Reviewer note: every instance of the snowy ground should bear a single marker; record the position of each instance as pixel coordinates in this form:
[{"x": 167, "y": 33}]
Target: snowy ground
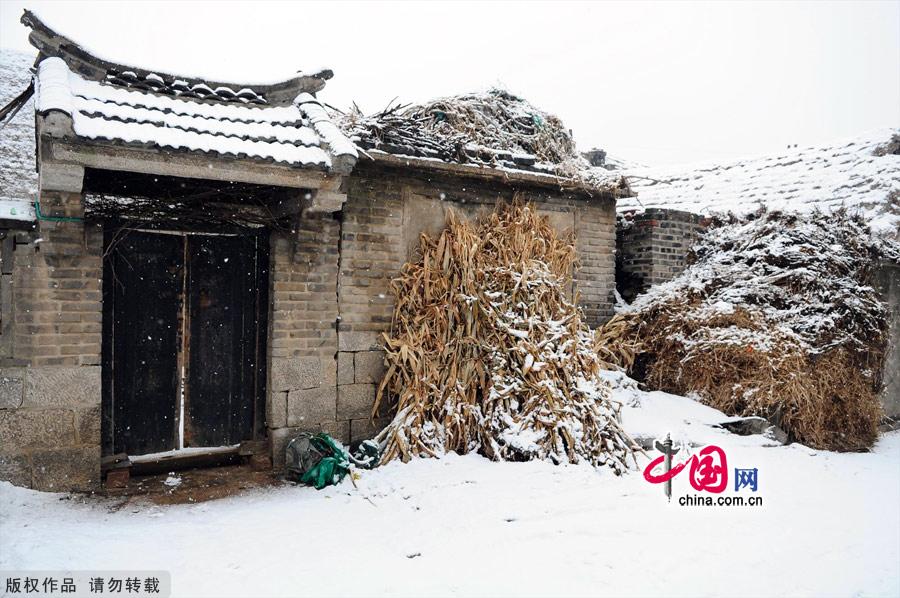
[{"x": 460, "y": 526}]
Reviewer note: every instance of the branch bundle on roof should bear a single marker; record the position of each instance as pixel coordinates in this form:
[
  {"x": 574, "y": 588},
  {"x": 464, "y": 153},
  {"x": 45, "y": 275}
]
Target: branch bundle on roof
[
  {"x": 488, "y": 354},
  {"x": 494, "y": 128},
  {"x": 776, "y": 318}
]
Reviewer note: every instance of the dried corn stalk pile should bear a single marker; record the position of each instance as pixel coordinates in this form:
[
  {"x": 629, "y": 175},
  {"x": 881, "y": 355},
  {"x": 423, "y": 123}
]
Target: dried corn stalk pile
[
  {"x": 616, "y": 345},
  {"x": 488, "y": 354}
]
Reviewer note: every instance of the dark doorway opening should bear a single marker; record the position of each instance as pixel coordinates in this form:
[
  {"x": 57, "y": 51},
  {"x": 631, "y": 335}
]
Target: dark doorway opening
[{"x": 184, "y": 339}]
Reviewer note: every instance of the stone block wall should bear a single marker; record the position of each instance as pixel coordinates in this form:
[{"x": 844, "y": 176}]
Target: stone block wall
[
  {"x": 653, "y": 247},
  {"x": 50, "y": 427},
  {"x": 50, "y": 368}
]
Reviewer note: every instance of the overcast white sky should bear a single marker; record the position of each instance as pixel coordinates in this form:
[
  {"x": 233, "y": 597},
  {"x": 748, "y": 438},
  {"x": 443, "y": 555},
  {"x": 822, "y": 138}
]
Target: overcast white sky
[{"x": 654, "y": 82}]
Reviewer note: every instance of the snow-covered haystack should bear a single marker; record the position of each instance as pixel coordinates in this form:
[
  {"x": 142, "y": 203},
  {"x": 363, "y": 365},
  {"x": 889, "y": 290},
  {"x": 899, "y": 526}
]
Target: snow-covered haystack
[
  {"x": 479, "y": 127},
  {"x": 488, "y": 354},
  {"x": 776, "y": 318}
]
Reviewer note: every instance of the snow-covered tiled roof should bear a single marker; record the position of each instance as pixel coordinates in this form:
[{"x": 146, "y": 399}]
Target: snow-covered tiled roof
[
  {"x": 18, "y": 179},
  {"x": 849, "y": 174},
  {"x": 125, "y": 105},
  {"x": 182, "y": 88},
  {"x": 104, "y": 111}
]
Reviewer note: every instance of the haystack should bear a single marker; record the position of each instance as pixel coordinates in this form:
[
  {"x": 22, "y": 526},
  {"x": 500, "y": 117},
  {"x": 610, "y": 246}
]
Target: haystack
[
  {"x": 489, "y": 354},
  {"x": 776, "y": 318}
]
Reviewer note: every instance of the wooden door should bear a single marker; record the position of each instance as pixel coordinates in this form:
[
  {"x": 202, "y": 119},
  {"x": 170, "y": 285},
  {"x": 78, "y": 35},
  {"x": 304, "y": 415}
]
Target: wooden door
[
  {"x": 222, "y": 356},
  {"x": 143, "y": 282},
  {"x": 184, "y": 334}
]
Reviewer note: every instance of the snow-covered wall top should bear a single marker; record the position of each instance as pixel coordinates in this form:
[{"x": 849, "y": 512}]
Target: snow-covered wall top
[
  {"x": 18, "y": 179},
  {"x": 294, "y": 135},
  {"x": 848, "y": 173}
]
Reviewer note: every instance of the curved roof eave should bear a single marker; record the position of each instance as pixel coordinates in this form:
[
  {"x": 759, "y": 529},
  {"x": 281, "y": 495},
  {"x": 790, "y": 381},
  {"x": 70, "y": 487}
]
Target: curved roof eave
[{"x": 50, "y": 43}]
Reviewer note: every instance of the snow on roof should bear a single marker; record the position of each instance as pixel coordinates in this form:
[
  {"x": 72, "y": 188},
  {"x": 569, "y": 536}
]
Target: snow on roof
[
  {"x": 846, "y": 174},
  {"x": 295, "y": 134},
  {"x": 18, "y": 179}
]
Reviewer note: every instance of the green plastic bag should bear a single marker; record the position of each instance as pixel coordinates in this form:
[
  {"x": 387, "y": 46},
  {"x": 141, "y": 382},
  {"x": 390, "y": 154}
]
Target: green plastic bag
[{"x": 317, "y": 460}]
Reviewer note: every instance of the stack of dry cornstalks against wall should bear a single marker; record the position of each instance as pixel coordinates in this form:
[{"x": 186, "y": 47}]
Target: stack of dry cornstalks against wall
[
  {"x": 777, "y": 318},
  {"x": 488, "y": 354}
]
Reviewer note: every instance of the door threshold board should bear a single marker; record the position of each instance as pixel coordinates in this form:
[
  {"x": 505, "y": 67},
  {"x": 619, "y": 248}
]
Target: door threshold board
[{"x": 186, "y": 458}]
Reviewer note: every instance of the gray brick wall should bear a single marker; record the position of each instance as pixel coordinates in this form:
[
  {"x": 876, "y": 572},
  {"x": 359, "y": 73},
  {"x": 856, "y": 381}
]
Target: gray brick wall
[
  {"x": 373, "y": 249},
  {"x": 56, "y": 291},
  {"x": 50, "y": 367},
  {"x": 653, "y": 247},
  {"x": 595, "y": 239},
  {"x": 302, "y": 337}
]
